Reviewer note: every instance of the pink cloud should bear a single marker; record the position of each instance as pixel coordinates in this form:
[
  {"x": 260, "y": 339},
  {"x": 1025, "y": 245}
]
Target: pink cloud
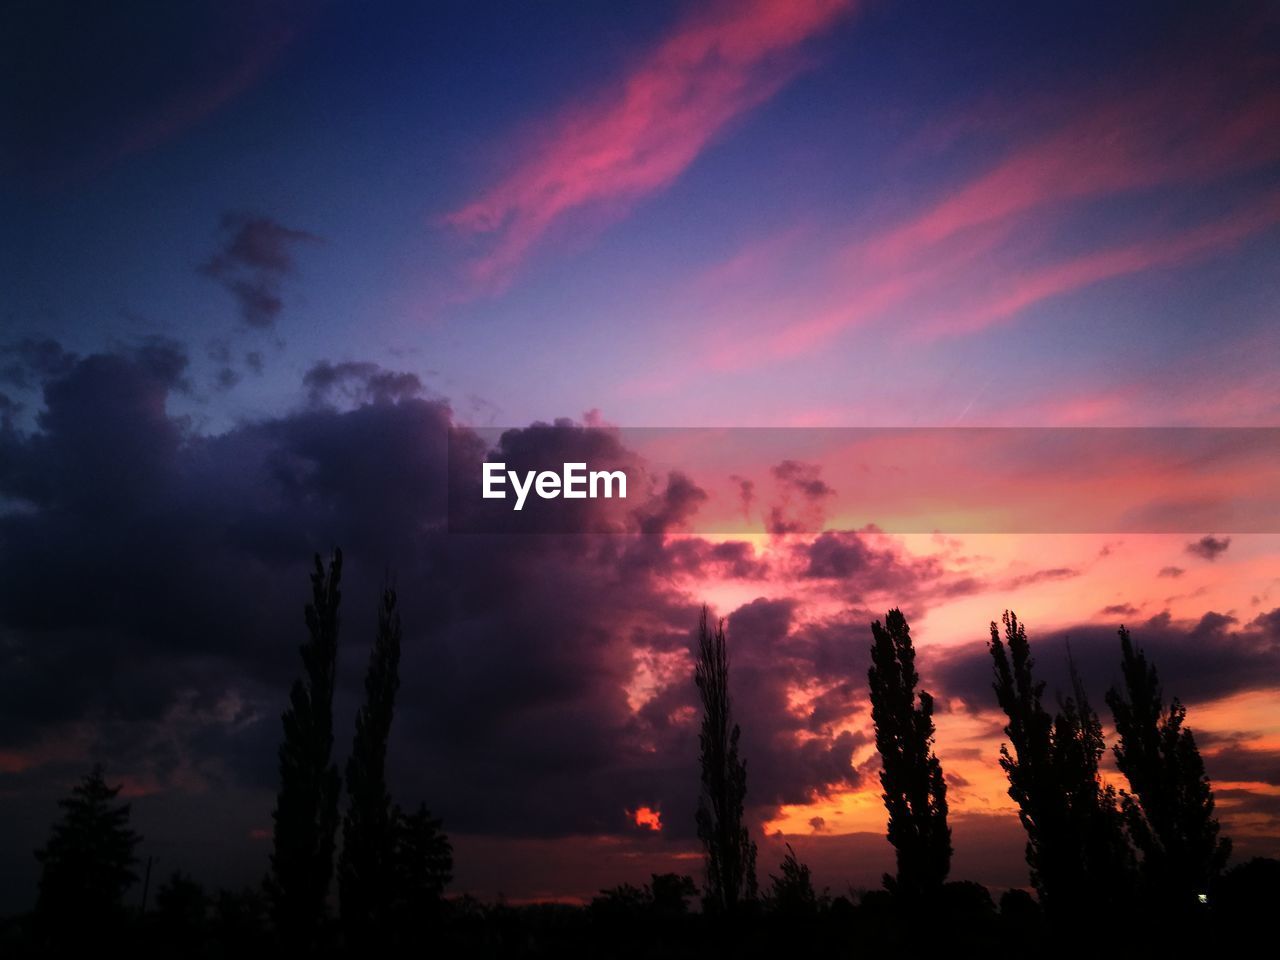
[
  {"x": 970, "y": 259},
  {"x": 644, "y": 132},
  {"x": 1190, "y": 127},
  {"x": 1038, "y": 284}
]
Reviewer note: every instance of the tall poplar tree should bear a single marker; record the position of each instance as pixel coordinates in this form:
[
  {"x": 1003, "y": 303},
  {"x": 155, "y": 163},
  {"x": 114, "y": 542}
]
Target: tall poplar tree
[
  {"x": 306, "y": 813},
  {"x": 730, "y": 851},
  {"x": 1079, "y": 858},
  {"x": 1169, "y": 807},
  {"x": 915, "y": 793},
  {"x": 366, "y": 869}
]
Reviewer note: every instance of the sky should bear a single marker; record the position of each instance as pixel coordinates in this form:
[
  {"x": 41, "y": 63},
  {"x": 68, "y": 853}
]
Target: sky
[{"x": 266, "y": 264}]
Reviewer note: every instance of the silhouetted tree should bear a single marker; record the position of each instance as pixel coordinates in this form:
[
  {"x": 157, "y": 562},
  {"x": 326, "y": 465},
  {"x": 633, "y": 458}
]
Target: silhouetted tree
[
  {"x": 239, "y": 922},
  {"x": 1246, "y": 895},
  {"x": 1019, "y": 910},
  {"x": 306, "y": 813},
  {"x": 181, "y": 913},
  {"x": 1093, "y": 807},
  {"x": 730, "y": 851},
  {"x": 791, "y": 892},
  {"x": 1169, "y": 810},
  {"x": 87, "y": 863},
  {"x": 366, "y": 869},
  {"x": 624, "y": 903},
  {"x": 670, "y": 893},
  {"x": 423, "y": 863},
  {"x": 1076, "y": 850},
  {"x": 915, "y": 793},
  {"x": 665, "y": 897}
]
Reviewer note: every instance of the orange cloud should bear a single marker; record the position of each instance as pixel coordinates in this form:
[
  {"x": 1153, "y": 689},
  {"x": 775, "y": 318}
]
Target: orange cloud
[
  {"x": 648, "y": 818},
  {"x": 640, "y": 136}
]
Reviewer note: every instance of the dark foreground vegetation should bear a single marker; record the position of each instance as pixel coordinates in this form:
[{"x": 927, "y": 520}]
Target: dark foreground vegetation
[
  {"x": 1139, "y": 870},
  {"x": 636, "y": 922}
]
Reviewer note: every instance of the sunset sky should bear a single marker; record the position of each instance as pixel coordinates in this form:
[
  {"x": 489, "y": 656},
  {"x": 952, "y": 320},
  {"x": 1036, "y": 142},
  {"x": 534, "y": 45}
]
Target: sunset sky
[{"x": 262, "y": 261}]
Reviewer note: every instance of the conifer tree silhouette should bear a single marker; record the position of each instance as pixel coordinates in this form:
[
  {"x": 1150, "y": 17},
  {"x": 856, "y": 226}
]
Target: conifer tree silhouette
[
  {"x": 306, "y": 813},
  {"x": 86, "y": 864},
  {"x": 1078, "y": 856},
  {"x": 423, "y": 865},
  {"x": 1169, "y": 808},
  {"x": 366, "y": 868},
  {"x": 915, "y": 793},
  {"x": 791, "y": 892},
  {"x": 730, "y": 851}
]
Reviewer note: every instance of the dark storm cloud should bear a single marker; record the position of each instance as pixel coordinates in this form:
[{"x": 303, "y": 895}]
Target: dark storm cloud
[
  {"x": 359, "y": 381},
  {"x": 88, "y": 84},
  {"x": 860, "y": 563},
  {"x": 1239, "y": 764},
  {"x": 1209, "y": 548},
  {"x": 9, "y": 409},
  {"x": 153, "y": 579},
  {"x": 255, "y": 257},
  {"x": 1197, "y": 661},
  {"x": 1254, "y": 805},
  {"x": 678, "y": 503},
  {"x": 769, "y": 652},
  {"x": 30, "y": 361},
  {"x": 849, "y": 555},
  {"x": 146, "y": 560}
]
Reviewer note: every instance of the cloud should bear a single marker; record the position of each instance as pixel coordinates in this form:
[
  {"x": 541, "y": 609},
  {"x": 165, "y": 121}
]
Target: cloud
[
  {"x": 1039, "y": 576},
  {"x": 1022, "y": 288},
  {"x": 1198, "y": 660},
  {"x": 854, "y": 557},
  {"x": 256, "y": 256},
  {"x": 1185, "y": 124},
  {"x": 643, "y": 131},
  {"x": 30, "y": 361},
  {"x": 1120, "y": 610},
  {"x": 362, "y": 382},
  {"x": 91, "y": 86},
  {"x": 155, "y": 576},
  {"x": 1240, "y": 764},
  {"x": 802, "y": 492},
  {"x": 1209, "y": 547},
  {"x": 1171, "y": 573}
]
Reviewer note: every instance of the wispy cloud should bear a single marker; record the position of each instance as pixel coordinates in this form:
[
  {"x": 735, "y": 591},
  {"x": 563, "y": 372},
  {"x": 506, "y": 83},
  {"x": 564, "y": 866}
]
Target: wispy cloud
[
  {"x": 978, "y": 255},
  {"x": 646, "y": 130}
]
